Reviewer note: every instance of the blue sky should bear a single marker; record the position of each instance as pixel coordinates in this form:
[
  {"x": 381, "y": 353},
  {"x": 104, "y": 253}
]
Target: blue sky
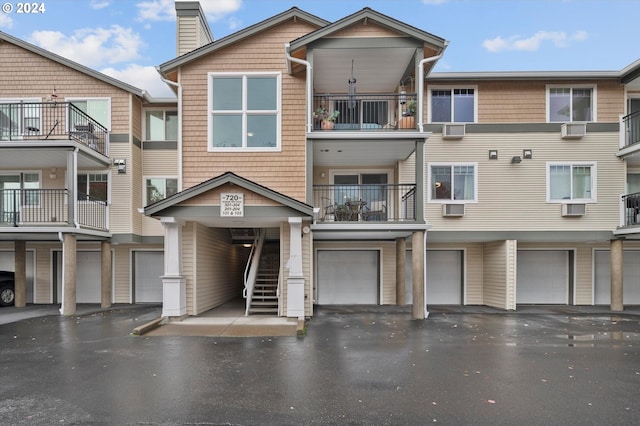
[{"x": 128, "y": 38}]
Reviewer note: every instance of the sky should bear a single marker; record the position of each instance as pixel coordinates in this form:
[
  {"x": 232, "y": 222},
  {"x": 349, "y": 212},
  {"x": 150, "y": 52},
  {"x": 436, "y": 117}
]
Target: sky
[{"x": 128, "y": 39}]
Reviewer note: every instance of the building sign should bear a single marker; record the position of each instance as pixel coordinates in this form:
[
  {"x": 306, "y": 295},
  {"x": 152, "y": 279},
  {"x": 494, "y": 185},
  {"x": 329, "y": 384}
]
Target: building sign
[{"x": 231, "y": 204}]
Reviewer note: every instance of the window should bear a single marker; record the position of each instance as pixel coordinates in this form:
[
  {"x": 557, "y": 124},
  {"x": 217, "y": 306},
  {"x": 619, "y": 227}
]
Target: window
[
  {"x": 571, "y": 181},
  {"x": 160, "y": 188},
  {"x": 452, "y": 105},
  {"x": 567, "y": 104},
  {"x": 161, "y": 125},
  {"x": 93, "y": 186},
  {"x": 453, "y": 182},
  {"x": 20, "y": 189},
  {"x": 20, "y": 117},
  {"x": 244, "y": 111},
  {"x": 98, "y": 109}
]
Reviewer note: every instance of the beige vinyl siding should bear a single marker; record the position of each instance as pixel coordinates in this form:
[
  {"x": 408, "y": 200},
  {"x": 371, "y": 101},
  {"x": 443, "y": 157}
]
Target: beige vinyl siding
[
  {"x": 191, "y": 34},
  {"x": 281, "y": 171},
  {"x": 188, "y": 264},
  {"x": 43, "y": 273},
  {"x": 513, "y": 196},
  {"x": 120, "y": 207},
  {"x": 498, "y": 272},
  {"x": 122, "y": 273},
  {"x": 156, "y": 163}
]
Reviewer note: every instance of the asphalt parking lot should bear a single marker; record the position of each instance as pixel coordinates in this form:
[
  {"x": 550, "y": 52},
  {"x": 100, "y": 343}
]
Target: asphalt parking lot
[{"x": 361, "y": 366}]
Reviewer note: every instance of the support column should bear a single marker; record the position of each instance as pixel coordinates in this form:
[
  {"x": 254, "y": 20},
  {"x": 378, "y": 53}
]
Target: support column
[
  {"x": 20, "y": 265},
  {"x": 617, "y": 262},
  {"x": 106, "y": 275},
  {"x": 174, "y": 287},
  {"x": 418, "y": 268},
  {"x": 401, "y": 271},
  {"x": 68, "y": 275},
  {"x": 295, "y": 279}
]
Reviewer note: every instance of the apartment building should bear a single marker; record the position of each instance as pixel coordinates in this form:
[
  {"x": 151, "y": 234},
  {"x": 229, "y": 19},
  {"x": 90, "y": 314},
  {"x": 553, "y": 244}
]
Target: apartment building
[{"x": 307, "y": 162}]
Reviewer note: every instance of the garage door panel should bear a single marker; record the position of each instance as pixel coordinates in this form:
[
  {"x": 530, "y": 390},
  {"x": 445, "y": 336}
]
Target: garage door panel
[
  {"x": 88, "y": 276},
  {"x": 149, "y": 268},
  {"x": 543, "y": 277},
  {"x": 348, "y": 277},
  {"x": 630, "y": 278},
  {"x": 444, "y": 277}
]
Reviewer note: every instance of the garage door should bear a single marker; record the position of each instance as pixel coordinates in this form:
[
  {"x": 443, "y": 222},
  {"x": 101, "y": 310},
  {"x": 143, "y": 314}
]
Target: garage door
[
  {"x": 348, "y": 277},
  {"x": 88, "y": 276},
  {"x": 444, "y": 277},
  {"x": 630, "y": 277},
  {"x": 7, "y": 264},
  {"x": 147, "y": 281},
  {"x": 543, "y": 277}
]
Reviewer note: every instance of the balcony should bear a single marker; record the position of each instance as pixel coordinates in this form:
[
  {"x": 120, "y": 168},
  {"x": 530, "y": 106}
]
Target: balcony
[
  {"x": 49, "y": 207},
  {"x": 51, "y": 121},
  {"x": 365, "y": 112},
  {"x": 365, "y": 203},
  {"x": 631, "y": 208}
]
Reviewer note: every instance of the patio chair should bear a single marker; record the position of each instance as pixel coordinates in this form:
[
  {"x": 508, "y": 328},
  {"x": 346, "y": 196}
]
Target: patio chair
[
  {"x": 328, "y": 209},
  {"x": 375, "y": 211}
]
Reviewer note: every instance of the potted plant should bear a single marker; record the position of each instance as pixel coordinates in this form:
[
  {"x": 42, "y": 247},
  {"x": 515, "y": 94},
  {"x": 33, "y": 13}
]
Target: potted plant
[
  {"x": 326, "y": 117},
  {"x": 408, "y": 120}
]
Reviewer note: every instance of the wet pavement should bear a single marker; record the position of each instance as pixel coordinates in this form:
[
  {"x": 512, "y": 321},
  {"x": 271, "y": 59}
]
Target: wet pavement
[{"x": 361, "y": 366}]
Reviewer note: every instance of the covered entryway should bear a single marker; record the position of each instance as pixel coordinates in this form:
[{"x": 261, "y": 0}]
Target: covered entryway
[
  {"x": 7, "y": 263},
  {"x": 444, "y": 277},
  {"x": 630, "y": 278},
  {"x": 148, "y": 268},
  {"x": 348, "y": 277},
  {"x": 88, "y": 273},
  {"x": 543, "y": 277}
]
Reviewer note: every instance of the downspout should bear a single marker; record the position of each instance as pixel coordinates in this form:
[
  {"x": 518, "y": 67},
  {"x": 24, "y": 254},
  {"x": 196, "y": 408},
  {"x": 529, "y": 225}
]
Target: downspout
[
  {"x": 421, "y": 78},
  {"x": 179, "y": 87},
  {"x": 424, "y": 275},
  {"x": 74, "y": 173},
  {"x": 309, "y": 67}
]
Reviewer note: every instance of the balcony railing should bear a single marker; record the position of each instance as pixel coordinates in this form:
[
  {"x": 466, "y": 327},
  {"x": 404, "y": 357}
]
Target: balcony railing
[
  {"x": 631, "y": 206},
  {"x": 27, "y": 121},
  {"x": 363, "y": 112},
  {"x": 365, "y": 203},
  {"x": 49, "y": 207},
  {"x": 632, "y": 128}
]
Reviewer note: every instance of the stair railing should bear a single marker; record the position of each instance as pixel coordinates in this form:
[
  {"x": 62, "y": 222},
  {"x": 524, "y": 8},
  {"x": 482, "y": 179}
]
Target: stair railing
[{"x": 251, "y": 270}]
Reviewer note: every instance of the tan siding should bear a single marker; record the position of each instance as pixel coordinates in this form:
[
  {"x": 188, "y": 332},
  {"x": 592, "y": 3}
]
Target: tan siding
[
  {"x": 365, "y": 29},
  {"x": 285, "y": 253},
  {"x": 120, "y": 207},
  {"x": 122, "y": 273},
  {"x": 212, "y": 197},
  {"x": 156, "y": 163},
  {"x": 188, "y": 264},
  {"x": 495, "y": 274}
]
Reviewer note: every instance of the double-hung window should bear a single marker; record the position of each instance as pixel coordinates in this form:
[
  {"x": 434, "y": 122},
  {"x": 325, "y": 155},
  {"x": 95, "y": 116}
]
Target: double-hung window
[
  {"x": 566, "y": 104},
  {"x": 448, "y": 182},
  {"x": 571, "y": 181},
  {"x": 159, "y": 188},
  {"x": 452, "y": 105},
  {"x": 161, "y": 125},
  {"x": 244, "y": 111}
]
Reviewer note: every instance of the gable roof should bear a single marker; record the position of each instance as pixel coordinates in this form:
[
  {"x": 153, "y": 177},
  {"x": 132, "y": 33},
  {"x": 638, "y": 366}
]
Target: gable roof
[
  {"x": 71, "y": 64},
  {"x": 226, "y": 178},
  {"x": 293, "y": 13}
]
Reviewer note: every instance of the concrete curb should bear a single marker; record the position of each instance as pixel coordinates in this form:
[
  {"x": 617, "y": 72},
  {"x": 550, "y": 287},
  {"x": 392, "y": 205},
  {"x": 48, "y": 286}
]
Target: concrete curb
[{"x": 145, "y": 328}]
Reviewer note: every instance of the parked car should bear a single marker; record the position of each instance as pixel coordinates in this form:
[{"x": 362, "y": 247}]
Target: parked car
[{"x": 7, "y": 288}]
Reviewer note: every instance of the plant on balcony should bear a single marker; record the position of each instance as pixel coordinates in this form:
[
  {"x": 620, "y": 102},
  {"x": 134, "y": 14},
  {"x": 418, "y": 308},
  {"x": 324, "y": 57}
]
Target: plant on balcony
[
  {"x": 326, "y": 117},
  {"x": 408, "y": 116},
  {"x": 410, "y": 110}
]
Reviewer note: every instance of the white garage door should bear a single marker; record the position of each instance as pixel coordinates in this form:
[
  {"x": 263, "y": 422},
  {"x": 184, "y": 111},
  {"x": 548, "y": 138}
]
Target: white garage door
[
  {"x": 543, "y": 277},
  {"x": 348, "y": 277},
  {"x": 630, "y": 277},
  {"x": 88, "y": 276},
  {"x": 444, "y": 277},
  {"x": 149, "y": 268},
  {"x": 7, "y": 259}
]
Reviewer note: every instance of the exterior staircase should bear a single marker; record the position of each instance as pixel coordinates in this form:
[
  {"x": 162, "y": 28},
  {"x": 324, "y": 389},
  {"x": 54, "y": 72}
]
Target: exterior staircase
[{"x": 265, "y": 290}]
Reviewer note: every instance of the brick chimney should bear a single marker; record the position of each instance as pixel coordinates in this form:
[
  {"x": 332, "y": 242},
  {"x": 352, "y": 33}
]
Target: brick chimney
[{"x": 192, "y": 30}]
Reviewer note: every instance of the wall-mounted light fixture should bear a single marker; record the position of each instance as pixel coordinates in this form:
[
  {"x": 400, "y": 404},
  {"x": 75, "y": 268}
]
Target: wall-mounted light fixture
[
  {"x": 122, "y": 165},
  {"x": 527, "y": 154},
  {"x": 515, "y": 160},
  {"x": 493, "y": 154}
]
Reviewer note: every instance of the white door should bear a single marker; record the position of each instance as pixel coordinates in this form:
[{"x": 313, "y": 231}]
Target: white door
[
  {"x": 88, "y": 277},
  {"x": 543, "y": 277},
  {"x": 630, "y": 277},
  {"x": 348, "y": 277},
  {"x": 7, "y": 259},
  {"x": 444, "y": 277},
  {"x": 147, "y": 281}
]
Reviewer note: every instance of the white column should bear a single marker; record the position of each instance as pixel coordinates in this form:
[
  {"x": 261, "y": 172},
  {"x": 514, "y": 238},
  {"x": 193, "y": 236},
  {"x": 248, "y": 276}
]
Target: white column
[
  {"x": 174, "y": 289},
  {"x": 295, "y": 279}
]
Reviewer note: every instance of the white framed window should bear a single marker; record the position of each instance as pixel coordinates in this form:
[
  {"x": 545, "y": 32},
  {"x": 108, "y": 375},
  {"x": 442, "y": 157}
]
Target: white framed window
[
  {"x": 453, "y": 182},
  {"x": 98, "y": 109},
  {"x": 161, "y": 125},
  {"x": 29, "y": 185},
  {"x": 244, "y": 111},
  {"x": 571, "y": 103},
  {"x": 453, "y": 104},
  {"x": 94, "y": 186},
  {"x": 159, "y": 188},
  {"x": 571, "y": 181}
]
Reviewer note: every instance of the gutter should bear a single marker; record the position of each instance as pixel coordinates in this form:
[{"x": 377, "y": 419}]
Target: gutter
[
  {"x": 307, "y": 64},
  {"x": 420, "y": 88},
  {"x": 179, "y": 87}
]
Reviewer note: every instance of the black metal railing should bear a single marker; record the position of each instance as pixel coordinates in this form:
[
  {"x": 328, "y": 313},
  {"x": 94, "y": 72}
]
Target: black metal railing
[
  {"x": 51, "y": 121},
  {"x": 365, "y": 112},
  {"x": 365, "y": 203},
  {"x": 632, "y": 128},
  {"x": 631, "y": 206},
  {"x": 49, "y": 207}
]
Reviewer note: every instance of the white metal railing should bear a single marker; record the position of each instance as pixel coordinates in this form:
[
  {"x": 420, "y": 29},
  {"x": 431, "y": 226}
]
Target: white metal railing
[{"x": 251, "y": 270}]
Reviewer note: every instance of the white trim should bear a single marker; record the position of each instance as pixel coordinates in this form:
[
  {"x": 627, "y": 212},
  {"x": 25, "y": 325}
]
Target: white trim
[
  {"x": 594, "y": 101},
  {"x": 452, "y": 200},
  {"x": 164, "y": 110},
  {"x": 594, "y": 182},
  {"x": 452, "y": 87},
  {"x": 144, "y": 185}
]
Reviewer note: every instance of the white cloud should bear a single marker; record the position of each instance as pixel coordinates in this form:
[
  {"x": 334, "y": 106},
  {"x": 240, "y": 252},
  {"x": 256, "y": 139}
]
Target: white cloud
[
  {"x": 92, "y": 47},
  {"x": 5, "y": 21},
  {"x": 142, "y": 77},
  {"x": 557, "y": 38},
  {"x": 164, "y": 10},
  {"x": 99, "y": 4}
]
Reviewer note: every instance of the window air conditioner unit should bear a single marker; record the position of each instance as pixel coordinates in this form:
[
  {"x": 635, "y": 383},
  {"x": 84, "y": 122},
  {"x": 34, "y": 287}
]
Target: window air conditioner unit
[
  {"x": 453, "y": 210},
  {"x": 573, "y": 130},
  {"x": 574, "y": 209},
  {"x": 453, "y": 131}
]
